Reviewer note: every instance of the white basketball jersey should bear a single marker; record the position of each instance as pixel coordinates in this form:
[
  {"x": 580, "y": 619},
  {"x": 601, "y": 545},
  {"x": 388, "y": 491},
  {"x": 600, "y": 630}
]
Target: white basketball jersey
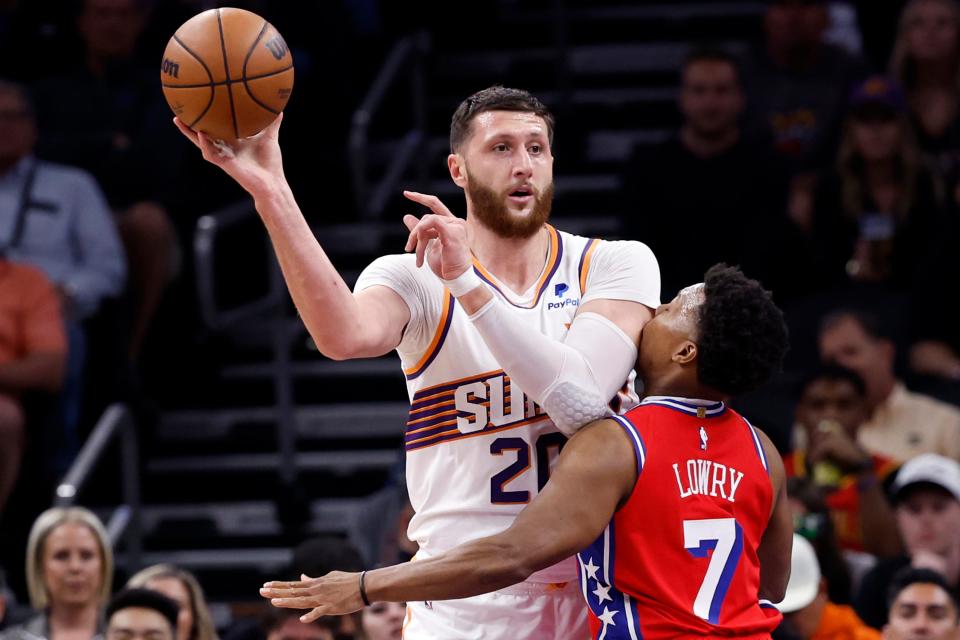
[{"x": 479, "y": 450}]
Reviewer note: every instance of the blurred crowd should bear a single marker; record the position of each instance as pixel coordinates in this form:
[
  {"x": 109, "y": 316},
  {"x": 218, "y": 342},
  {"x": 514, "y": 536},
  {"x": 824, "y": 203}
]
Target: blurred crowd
[{"x": 825, "y": 160}]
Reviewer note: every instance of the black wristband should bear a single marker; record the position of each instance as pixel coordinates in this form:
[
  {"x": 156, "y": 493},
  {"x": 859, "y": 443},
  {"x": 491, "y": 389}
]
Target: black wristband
[{"x": 363, "y": 590}]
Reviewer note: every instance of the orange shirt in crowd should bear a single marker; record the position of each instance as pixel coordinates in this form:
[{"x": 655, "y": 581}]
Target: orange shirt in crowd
[
  {"x": 841, "y": 623},
  {"x": 30, "y": 317}
]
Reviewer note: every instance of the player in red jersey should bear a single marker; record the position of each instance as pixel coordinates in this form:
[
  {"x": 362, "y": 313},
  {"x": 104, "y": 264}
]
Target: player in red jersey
[{"x": 678, "y": 509}]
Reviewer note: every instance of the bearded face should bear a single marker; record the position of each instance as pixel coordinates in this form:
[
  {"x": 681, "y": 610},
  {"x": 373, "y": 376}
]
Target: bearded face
[{"x": 493, "y": 212}]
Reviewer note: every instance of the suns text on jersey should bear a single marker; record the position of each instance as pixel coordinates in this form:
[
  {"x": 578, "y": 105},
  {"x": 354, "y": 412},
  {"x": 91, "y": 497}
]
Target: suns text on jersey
[
  {"x": 707, "y": 478},
  {"x": 489, "y": 403}
]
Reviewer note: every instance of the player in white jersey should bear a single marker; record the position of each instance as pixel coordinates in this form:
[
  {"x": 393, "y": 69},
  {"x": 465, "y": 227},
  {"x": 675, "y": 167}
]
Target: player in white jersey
[{"x": 559, "y": 317}]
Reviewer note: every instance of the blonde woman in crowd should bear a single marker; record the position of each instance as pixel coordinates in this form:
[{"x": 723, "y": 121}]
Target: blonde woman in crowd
[
  {"x": 926, "y": 62},
  {"x": 194, "y": 621},
  {"x": 69, "y": 568}
]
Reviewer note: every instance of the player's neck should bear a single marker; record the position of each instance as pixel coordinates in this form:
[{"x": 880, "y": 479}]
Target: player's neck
[
  {"x": 679, "y": 387},
  {"x": 516, "y": 262}
]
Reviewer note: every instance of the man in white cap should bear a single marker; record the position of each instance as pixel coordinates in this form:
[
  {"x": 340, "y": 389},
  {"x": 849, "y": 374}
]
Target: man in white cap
[
  {"x": 926, "y": 494},
  {"x": 807, "y": 613}
]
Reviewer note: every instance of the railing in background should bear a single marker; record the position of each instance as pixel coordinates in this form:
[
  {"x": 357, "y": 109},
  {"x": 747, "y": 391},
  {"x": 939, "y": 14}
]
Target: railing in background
[
  {"x": 124, "y": 523},
  {"x": 407, "y": 55},
  {"x": 271, "y": 305}
]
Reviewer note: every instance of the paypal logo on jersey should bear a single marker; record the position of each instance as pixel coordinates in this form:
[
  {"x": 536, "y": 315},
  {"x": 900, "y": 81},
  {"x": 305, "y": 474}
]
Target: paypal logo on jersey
[{"x": 559, "y": 290}]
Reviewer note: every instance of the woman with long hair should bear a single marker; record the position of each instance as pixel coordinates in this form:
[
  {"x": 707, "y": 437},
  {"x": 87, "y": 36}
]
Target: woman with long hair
[
  {"x": 69, "y": 568},
  {"x": 926, "y": 63},
  {"x": 194, "y": 621},
  {"x": 880, "y": 209}
]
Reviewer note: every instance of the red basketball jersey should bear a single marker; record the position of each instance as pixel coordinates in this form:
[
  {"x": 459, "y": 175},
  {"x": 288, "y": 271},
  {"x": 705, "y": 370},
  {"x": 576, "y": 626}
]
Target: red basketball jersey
[{"x": 679, "y": 559}]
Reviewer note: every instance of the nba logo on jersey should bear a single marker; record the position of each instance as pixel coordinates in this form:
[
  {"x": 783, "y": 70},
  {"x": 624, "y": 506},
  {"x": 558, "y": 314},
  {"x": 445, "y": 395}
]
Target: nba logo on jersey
[{"x": 703, "y": 439}]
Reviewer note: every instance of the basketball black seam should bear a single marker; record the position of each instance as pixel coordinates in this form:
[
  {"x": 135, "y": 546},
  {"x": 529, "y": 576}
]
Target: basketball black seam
[
  {"x": 260, "y": 76},
  {"x": 213, "y": 92},
  {"x": 243, "y": 74},
  {"x": 226, "y": 69}
]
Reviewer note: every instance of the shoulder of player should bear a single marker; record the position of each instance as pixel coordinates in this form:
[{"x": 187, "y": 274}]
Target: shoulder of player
[
  {"x": 601, "y": 437},
  {"x": 405, "y": 264}
]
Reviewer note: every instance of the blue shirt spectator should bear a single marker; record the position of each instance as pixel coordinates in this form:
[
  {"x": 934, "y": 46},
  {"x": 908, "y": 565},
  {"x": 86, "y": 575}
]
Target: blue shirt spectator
[{"x": 67, "y": 231}]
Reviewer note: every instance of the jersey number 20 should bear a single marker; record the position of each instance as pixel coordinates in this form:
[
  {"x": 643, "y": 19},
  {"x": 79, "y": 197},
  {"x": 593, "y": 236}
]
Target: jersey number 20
[
  {"x": 498, "y": 493},
  {"x": 725, "y": 538}
]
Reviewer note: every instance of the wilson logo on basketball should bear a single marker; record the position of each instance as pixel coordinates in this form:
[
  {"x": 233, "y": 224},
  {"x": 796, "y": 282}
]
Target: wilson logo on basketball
[
  {"x": 170, "y": 68},
  {"x": 277, "y": 46}
]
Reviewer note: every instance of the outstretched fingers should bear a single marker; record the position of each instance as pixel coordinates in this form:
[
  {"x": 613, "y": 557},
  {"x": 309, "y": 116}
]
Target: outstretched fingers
[
  {"x": 431, "y": 202},
  {"x": 315, "y": 614}
]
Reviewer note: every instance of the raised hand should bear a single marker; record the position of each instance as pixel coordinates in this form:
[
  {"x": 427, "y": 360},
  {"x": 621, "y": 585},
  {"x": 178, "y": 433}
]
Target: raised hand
[
  {"x": 439, "y": 237},
  {"x": 334, "y": 594},
  {"x": 254, "y": 162}
]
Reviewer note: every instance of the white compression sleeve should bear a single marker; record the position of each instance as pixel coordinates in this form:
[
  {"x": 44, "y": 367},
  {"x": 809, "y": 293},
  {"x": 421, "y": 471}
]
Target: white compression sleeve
[{"x": 573, "y": 380}]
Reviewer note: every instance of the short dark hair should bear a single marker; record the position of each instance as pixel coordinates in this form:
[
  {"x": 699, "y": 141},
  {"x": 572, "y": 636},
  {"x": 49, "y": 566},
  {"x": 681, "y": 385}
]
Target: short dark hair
[
  {"x": 710, "y": 53},
  {"x": 834, "y": 373},
  {"x": 495, "y": 98},
  {"x": 742, "y": 336},
  {"x": 146, "y": 599},
  {"x": 274, "y": 617},
  {"x": 316, "y": 557},
  {"x": 868, "y": 322},
  {"x": 910, "y": 576}
]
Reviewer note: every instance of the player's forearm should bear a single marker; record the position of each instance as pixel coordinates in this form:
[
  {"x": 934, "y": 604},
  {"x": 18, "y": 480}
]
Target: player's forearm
[
  {"x": 574, "y": 379},
  {"x": 323, "y": 300},
  {"x": 477, "y": 567}
]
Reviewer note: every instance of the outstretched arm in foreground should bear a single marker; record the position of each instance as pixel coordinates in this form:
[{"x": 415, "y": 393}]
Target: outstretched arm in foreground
[
  {"x": 595, "y": 474},
  {"x": 342, "y": 325}
]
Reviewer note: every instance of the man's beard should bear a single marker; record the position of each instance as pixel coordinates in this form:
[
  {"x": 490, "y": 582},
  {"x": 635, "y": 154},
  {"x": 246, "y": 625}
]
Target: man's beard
[{"x": 492, "y": 212}]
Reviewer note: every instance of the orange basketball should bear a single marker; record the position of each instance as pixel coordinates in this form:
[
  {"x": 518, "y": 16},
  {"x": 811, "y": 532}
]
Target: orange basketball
[{"x": 227, "y": 72}]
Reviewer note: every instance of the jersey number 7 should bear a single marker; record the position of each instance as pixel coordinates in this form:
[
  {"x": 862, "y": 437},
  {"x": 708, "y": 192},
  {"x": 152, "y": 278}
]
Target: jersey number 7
[{"x": 724, "y": 537}]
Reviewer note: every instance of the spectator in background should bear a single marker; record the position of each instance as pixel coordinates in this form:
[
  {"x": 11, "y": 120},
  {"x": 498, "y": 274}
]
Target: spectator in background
[
  {"x": 69, "y": 575},
  {"x": 830, "y": 412},
  {"x": 194, "y": 621},
  {"x": 902, "y": 423},
  {"x": 811, "y": 519},
  {"x": 926, "y": 61},
  {"x": 383, "y": 621},
  {"x": 927, "y": 498},
  {"x": 921, "y": 607},
  {"x": 141, "y": 613},
  {"x": 807, "y": 611},
  {"x": 116, "y": 127},
  {"x": 877, "y": 214},
  {"x": 55, "y": 218},
  {"x": 33, "y": 354},
  {"x": 798, "y": 85},
  {"x": 691, "y": 198},
  {"x": 284, "y": 624}
]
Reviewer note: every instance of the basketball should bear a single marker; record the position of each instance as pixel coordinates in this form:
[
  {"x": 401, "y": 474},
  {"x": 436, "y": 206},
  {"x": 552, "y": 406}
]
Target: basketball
[{"x": 227, "y": 72}]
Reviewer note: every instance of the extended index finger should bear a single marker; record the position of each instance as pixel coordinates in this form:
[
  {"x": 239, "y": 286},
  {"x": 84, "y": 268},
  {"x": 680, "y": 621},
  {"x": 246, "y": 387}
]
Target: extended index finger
[{"x": 431, "y": 202}]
